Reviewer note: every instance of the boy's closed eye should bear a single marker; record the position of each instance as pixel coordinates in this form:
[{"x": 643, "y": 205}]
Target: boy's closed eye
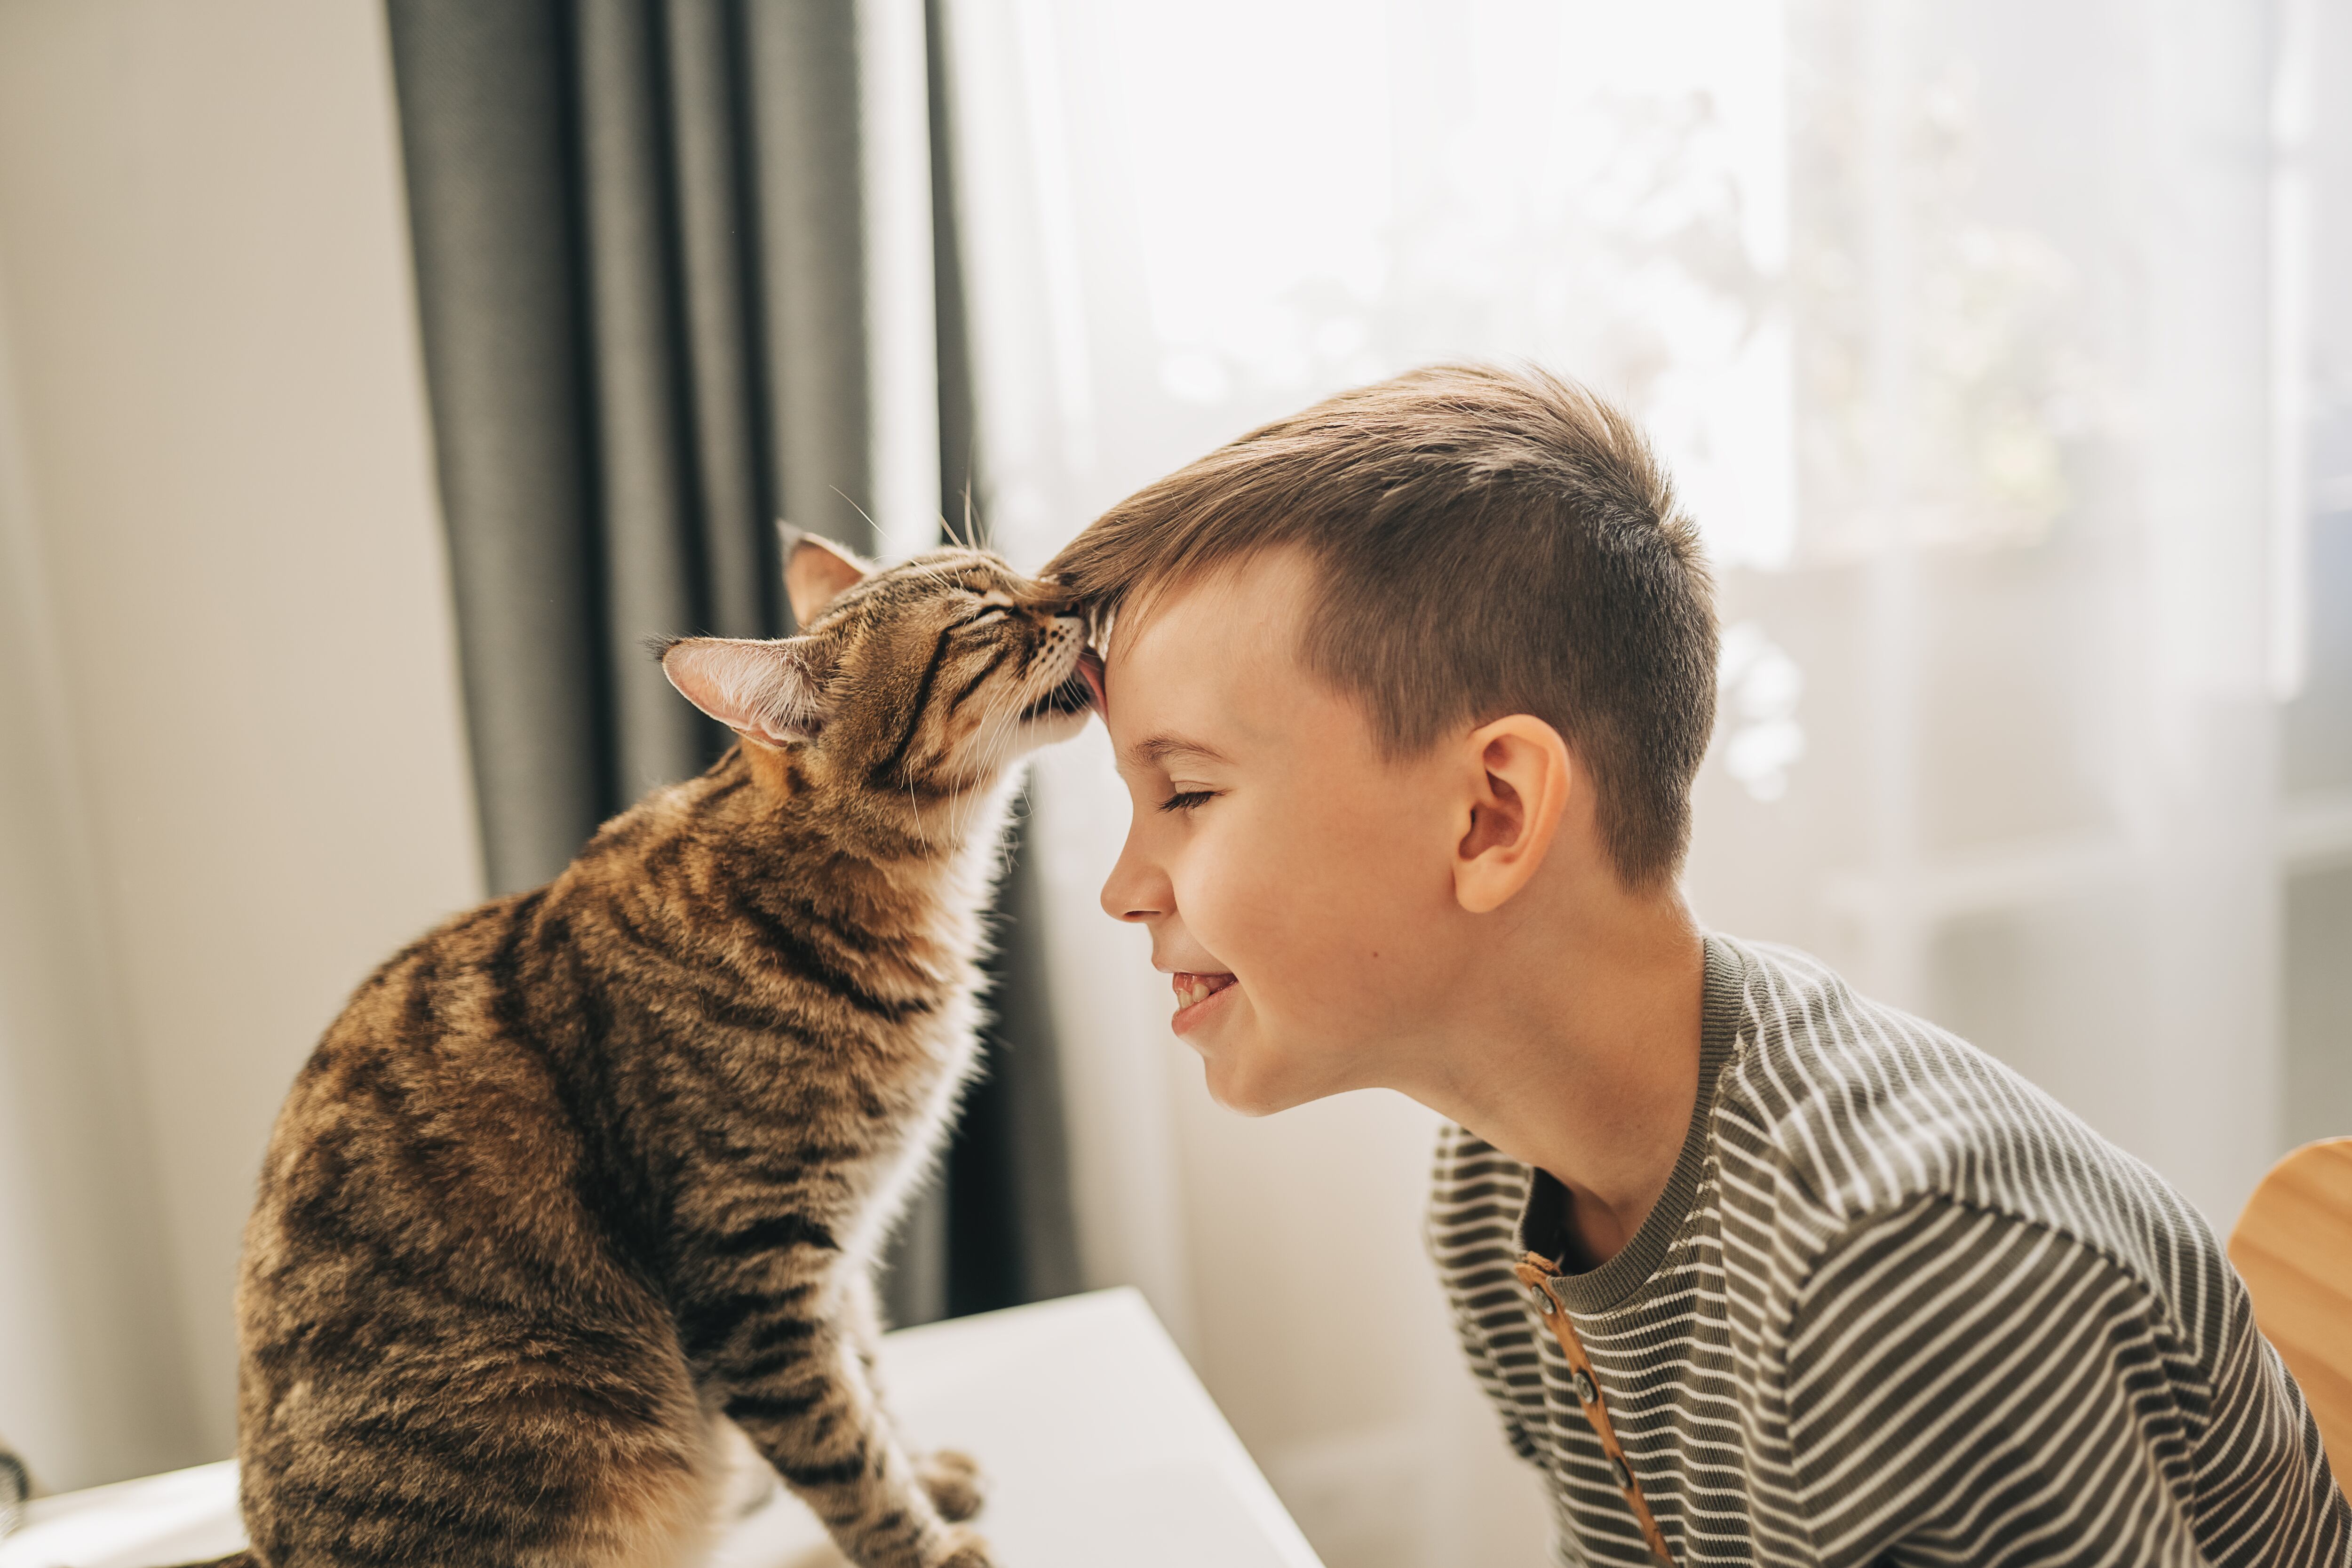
[{"x": 1188, "y": 799}]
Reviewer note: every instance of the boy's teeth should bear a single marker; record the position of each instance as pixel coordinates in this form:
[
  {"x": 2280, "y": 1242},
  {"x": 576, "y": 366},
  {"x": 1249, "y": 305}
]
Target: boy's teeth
[{"x": 1191, "y": 988}]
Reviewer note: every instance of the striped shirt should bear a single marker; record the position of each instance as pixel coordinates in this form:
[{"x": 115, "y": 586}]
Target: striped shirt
[{"x": 1895, "y": 1305}]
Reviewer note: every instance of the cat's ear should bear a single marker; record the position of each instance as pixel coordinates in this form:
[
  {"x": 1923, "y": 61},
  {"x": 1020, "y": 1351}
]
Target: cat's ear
[
  {"x": 765, "y": 691},
  {"x": 816, "y": 572}
]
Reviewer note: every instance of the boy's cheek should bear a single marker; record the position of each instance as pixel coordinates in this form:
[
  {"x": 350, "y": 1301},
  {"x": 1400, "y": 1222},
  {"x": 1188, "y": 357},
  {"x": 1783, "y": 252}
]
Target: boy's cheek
[{"x": 1228, "y": 902}]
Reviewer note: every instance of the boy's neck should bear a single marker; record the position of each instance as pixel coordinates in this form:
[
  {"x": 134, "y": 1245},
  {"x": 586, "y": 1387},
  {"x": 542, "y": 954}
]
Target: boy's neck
[{"x": 1577, "y": 1053}]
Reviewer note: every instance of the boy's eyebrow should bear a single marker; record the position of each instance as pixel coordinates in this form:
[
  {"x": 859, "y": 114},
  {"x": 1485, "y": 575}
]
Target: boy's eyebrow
[{"x": 1154, "y": 749}]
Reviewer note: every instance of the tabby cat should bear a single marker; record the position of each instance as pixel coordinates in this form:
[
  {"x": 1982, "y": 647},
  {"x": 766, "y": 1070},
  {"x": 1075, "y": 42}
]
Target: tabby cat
[{"x": 588, "y": 1170}]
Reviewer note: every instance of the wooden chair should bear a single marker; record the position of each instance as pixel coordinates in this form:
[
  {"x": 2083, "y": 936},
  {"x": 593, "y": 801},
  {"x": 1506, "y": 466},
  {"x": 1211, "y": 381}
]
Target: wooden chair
[{"x": 2293, "y": 1249}]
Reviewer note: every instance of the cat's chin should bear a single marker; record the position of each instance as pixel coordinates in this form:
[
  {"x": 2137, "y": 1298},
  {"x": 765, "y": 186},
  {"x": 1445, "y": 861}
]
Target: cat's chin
[
  {"x": 1075, "y": 697},
  {"x": 1049, "y": 729},
  {"x": 1062, "y": 711}
]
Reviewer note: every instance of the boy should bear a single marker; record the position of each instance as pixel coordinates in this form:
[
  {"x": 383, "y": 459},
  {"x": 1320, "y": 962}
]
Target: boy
[{"x": 1408, "y": 690}]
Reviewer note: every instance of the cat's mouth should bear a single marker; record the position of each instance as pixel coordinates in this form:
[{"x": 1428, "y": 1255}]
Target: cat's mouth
[{"x": 1081, "y": 691}]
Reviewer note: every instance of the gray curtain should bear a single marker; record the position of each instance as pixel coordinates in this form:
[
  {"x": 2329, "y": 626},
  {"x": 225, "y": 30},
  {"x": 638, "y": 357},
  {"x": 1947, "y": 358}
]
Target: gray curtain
[{"x": 639, "y": 235}]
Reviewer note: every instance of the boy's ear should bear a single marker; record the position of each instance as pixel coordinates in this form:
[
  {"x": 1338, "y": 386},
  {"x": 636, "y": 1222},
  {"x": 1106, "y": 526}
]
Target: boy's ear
[
  {"x": 765, "y": 691},
  {"x": 1524, "y": 775},
  {"x": 816, "y": 570}
]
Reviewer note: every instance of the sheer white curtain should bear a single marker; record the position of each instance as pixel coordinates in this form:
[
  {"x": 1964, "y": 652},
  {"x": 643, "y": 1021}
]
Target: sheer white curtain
[{"x": 1988, "y": 344}]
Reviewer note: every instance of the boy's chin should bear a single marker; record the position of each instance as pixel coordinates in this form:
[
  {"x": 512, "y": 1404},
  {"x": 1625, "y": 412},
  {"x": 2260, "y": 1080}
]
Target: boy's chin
[{"x": 1258, "y": 1089}]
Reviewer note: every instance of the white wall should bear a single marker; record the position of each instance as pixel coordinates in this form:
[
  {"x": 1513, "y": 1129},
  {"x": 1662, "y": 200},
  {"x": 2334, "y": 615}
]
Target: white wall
[{"x": 236, "y": 769}]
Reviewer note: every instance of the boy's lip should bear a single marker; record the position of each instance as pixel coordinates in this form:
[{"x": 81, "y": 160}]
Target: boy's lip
[{"x": 1197, "y": 993}]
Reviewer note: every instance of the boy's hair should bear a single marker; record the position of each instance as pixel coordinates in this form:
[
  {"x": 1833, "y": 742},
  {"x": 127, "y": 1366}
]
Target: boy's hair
[{"x": 1487, "y": 541}]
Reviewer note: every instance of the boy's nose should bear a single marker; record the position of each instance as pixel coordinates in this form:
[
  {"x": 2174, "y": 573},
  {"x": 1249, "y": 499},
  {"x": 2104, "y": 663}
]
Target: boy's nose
[
  {"x": 1118, "y": 904},
  {"x": 1135, "y": 893}
]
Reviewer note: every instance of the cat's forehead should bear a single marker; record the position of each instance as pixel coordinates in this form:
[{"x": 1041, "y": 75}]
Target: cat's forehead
[{"x": 956, "y": 575}]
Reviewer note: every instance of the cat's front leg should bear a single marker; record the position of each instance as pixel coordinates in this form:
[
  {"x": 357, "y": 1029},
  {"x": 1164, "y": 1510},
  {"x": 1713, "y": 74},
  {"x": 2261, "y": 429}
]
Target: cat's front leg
[
  {"x": 954, "y": 1481},
  {"x": 815, "y": 1416}
]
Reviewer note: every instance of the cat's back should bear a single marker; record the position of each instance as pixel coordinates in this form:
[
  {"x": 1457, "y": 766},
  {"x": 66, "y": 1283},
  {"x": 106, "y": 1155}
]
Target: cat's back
[
  {"x": 461, "y": 1039},
  {"x": 489, "y": 1094},
  {"x": 430, "y": 1112}
]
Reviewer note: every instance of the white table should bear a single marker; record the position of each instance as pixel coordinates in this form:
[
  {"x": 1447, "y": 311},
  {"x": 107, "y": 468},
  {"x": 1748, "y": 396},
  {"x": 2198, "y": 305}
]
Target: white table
[{"x": 1101, "y": 1448}]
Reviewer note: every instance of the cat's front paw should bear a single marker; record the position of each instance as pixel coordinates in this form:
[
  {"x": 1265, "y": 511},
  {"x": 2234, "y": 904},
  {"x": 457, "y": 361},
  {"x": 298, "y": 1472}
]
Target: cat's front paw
[
  {"x": 954, "y": 1482},
  {"x": 963, "y": 1549}
]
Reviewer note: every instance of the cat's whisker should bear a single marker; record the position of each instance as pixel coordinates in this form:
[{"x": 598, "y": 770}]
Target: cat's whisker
[{"x": 915, "y": 805}]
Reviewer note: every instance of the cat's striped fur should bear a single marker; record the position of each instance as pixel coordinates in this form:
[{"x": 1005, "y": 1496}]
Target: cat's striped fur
[{"x": 587, "y": 1169}]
